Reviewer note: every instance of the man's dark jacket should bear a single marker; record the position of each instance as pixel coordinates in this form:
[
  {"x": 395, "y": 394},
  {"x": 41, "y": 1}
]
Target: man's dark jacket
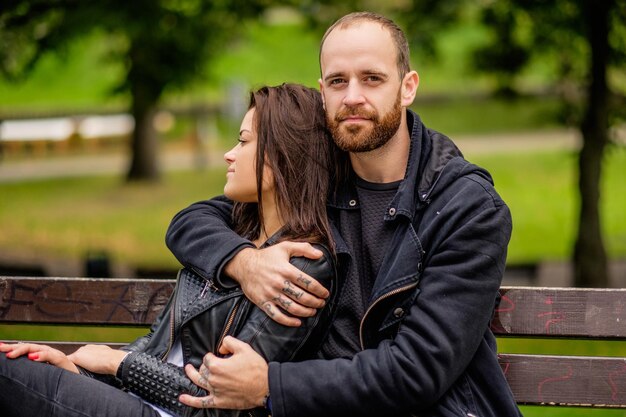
[{"x": 427, "y": 349}]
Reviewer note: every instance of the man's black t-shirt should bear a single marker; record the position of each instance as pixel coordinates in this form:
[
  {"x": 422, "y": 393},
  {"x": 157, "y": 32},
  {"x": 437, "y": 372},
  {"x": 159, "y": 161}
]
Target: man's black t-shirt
[{"x": 367, "y": 236}]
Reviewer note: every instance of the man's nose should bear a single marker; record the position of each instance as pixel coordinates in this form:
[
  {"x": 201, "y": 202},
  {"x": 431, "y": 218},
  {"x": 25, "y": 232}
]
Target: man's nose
[{"x": 354, "y": 95}]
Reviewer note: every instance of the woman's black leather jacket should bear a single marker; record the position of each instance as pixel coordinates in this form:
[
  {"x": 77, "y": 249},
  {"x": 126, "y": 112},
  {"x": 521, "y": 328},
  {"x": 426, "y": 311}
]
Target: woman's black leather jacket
[{"x": 200, "y": 315}]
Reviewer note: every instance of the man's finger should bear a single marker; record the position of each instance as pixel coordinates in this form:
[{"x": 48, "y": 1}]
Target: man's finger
[
  {"x": 197, "y": 402},
  {"x": 302, "y": 249},
  {"x": 278, "y": 316},
  {"x": 193, "y": 374},
  {"x": 232, "y": 345},
  {"x": 316, "y": 291}
]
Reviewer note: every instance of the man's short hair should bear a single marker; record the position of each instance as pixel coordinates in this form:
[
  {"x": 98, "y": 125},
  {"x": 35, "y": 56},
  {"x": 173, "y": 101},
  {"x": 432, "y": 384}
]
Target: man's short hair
[{"x": 397, "y": 35}]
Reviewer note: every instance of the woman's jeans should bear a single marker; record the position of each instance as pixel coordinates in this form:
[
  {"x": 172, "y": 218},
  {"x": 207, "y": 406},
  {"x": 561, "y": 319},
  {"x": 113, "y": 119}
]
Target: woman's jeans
[{"x": 33, "y": 389}]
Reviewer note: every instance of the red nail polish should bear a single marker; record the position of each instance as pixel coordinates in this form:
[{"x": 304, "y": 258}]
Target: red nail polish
[{"x": 33, "y": 356}]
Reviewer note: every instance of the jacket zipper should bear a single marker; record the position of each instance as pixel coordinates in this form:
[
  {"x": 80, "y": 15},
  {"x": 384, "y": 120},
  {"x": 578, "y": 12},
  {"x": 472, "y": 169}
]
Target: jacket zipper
[
  {"x": 172, "y": 308},
  {"x": 171, "y": 341},
  {"x": 229, "y": 323},
  {"x": 207, "y": 284},
  {"x": 382, "y": 297}
]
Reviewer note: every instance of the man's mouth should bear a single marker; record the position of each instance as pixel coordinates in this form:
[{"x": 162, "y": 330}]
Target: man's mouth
[{"x": 354, "y": 119}]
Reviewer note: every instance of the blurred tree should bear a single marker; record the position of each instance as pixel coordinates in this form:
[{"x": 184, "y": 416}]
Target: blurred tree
[
  {"x": 163, "y": 43},
  {"x": 422, "y": 20},
  {"x": 587, "y": 40}
]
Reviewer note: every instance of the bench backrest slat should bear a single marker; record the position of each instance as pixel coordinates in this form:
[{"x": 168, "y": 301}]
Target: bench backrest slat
[
  {"x": 566, "y": 380},
  {"x": 523, "y": 311},
  {"x": 561, "y": 312},
  {"x": 80, "y": 300}
]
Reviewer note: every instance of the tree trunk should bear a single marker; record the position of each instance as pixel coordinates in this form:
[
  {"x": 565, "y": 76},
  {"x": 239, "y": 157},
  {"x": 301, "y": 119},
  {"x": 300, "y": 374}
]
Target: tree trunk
[
  {"x": 590, "y": 260},
  {"x": 144, "y": 165}
]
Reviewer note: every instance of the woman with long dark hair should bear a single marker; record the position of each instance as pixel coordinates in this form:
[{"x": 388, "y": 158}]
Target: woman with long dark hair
[{"x": 278, "y": 176}]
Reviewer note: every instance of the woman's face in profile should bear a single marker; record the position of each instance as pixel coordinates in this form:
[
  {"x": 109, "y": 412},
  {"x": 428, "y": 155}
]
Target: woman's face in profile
[{"x": 241, "y": 174}]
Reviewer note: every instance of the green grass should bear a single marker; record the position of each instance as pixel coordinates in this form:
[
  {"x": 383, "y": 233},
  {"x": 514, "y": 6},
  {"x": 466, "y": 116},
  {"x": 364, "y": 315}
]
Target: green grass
[
  {"x": 534, "y": 411},
  {"x": 68, "y": 217},
  {"x": 541, "y": 191},
  {"x": 466, "y": 115}
]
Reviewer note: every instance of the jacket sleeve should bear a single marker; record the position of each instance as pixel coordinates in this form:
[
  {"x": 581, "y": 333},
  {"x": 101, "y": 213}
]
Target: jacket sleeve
[
  {"x": 157, "y": 382},
  {"x": 276, "y": 342},
  {"x": 147, "y": 376},
  {"x": 438, "y": 338},
  {"x": 202, "y": 239}
]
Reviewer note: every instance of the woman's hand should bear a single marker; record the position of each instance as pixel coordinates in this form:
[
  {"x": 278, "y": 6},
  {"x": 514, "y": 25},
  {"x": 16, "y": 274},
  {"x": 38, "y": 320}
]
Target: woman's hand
[
  {"x": 100, "y": 359},
  {"x": 39, "y": 353}
]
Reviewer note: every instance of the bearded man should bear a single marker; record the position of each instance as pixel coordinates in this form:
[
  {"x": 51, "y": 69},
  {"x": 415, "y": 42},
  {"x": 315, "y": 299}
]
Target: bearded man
[{"x": 421, "y": 239}]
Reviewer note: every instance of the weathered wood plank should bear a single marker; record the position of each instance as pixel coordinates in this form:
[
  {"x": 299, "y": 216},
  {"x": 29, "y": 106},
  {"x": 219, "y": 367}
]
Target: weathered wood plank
[
  {"x": 524, "y": 311},
  {"x": 81, "y": 300},
  {"x": 66, "y": 347},
  {"x": 566, "y": 380},
  {"x": 561, "y": 312}
]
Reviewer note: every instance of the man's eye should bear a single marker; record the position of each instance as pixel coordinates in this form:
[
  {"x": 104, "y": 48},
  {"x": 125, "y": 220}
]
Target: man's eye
[{"x": 336, "y": 81}]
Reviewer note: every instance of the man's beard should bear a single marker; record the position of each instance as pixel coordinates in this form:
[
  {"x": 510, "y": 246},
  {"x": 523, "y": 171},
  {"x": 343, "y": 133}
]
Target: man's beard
[{"x": 360, "y": 138}]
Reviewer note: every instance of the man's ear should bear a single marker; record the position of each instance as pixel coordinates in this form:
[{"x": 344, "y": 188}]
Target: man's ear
[
  {"x": 322, "y": 92},
  {"x": 410, "y": 82}
]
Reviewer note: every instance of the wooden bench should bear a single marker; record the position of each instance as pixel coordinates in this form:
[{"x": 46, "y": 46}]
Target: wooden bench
[{"x": 525, "y": 312}]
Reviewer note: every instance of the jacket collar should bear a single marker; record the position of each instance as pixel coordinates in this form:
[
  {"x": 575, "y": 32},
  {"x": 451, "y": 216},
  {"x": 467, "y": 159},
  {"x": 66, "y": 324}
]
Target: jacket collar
[{"x": 420, "y": 170}]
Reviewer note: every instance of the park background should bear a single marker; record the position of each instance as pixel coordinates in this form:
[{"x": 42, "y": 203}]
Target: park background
[{"x": 71, "y": 206}]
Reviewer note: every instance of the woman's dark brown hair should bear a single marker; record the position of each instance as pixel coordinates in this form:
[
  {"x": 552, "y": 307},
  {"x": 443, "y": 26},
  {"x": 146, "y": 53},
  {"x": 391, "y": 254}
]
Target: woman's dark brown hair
[{"x": 293, "y": 141}]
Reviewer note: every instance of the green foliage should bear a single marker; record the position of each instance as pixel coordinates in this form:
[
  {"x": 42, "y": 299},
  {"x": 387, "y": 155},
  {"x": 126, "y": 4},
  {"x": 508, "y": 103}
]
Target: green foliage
[
  {"x": 525, "y": 31},
  {"x": 162, "y": 43}
]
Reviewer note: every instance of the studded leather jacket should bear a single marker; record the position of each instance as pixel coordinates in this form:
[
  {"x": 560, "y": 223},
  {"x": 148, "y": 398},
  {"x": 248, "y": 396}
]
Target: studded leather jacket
[{"x": 200, "y": 315}]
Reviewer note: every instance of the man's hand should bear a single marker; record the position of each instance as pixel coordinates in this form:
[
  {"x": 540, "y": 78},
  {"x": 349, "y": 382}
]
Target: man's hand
[
  {"x": 38, "y": 353},
  {"x": 100, "y": 359},
  {"x": 274, "y": 285},
  {"x": 238, "y": 382}
]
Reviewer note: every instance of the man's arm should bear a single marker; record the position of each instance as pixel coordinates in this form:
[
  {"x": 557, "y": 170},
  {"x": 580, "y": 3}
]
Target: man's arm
[
  {"x": 434, "y": 345},
  {"x": 202, "y": 239},
  {"x": 438, "y": 339}
]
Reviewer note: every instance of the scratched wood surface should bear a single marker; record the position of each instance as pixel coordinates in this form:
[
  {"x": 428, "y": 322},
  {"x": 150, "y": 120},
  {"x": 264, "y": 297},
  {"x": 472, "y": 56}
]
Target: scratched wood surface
[
  {"x": 561, "y": 312},
  {"x": 81, "y": 300},
  {"x": 566, "y": 380},
  {"x": 524, "y": 312}
]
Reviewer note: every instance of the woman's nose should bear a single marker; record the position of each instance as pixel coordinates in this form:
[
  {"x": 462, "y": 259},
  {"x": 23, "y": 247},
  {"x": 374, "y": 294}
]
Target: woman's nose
[{"x": 229, "y": 156}]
